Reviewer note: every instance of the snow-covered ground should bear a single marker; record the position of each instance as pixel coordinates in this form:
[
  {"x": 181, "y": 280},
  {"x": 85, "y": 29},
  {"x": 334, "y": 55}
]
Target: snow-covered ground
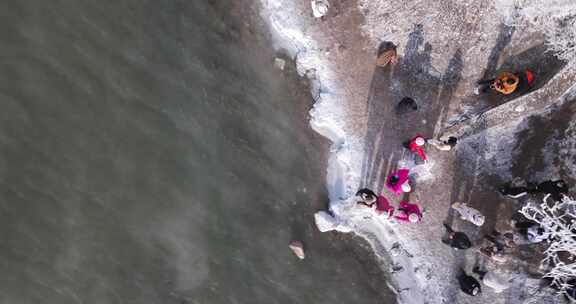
[{"x": 337, "y": 54}]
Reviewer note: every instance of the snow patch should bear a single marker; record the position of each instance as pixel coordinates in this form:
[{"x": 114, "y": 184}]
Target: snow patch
[{"x": 289, "y": 28}]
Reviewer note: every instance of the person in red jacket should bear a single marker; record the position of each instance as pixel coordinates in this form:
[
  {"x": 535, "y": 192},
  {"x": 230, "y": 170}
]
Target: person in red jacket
[
  {"x": 416, "y": 145},
  {"x": 376, "y": 202},
  {"x": 409, "y": 213},
  {"x": 383, "y": 207}
]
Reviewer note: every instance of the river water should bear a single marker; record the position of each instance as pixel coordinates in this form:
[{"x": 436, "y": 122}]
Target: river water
[{"x": 147, "y": 155}]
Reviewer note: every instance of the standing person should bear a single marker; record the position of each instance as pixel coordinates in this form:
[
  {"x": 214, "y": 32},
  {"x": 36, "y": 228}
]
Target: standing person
[
  {"x": 406, "y": 105},
  {"x": 416, "y": 145},
  {"x": 409, "y": 213},
  {"x": 366, "y": 203},
  {"x": 387, "y": 55},
  {"x": 468, "y": 284},
  {"x": 531, "y": 231},
  {"x": 492, "y": 279},
  {"x": 397, "y": 182},
  {"x": 367, "y": 197},
  {"x": 377, "y": 203},
  {"x": 383, "y": 207},
  {"x": 456, "y": 239},
  {"x": 445, "y": 144},
  {"x": 557, "y": 189}
]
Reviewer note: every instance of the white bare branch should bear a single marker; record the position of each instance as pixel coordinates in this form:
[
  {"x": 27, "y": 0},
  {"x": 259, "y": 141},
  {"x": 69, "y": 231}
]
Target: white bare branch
[{"x": 559, "y": 220}]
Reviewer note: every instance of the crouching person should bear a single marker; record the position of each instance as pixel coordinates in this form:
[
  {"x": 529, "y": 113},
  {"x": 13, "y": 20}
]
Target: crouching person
[
  {"x": 456, "y": 239},
  {"x": 409, "y": 213},
  {"x": 468, "y": 284},
  {"x": 444, "y": 144},
  {"x": 378, "y": 203}
]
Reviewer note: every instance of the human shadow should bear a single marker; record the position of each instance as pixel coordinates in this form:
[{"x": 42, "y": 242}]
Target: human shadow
[
  {"x": 543, "y": 64},
  {"x": 504, "y": 37},
  {"x": 412, "y": 77},
  {"x": 542, "y": 155}
]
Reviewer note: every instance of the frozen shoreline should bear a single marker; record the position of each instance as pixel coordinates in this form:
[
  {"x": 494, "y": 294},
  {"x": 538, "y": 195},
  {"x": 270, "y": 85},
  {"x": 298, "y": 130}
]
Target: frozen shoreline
[
  {"x": 347, "y": 150},
  {"x": 328, "y": 113}
]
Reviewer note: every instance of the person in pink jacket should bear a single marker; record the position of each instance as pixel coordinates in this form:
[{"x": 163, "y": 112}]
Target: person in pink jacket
[
  {"x": 397, "y": 182},
  {"x": 409, "y": 213}
]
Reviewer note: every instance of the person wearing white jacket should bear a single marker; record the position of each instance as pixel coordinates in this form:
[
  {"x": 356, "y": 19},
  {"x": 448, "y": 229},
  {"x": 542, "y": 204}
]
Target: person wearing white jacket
[
  {"x": 469, "y": 214},
  {"x": 497, "y": 280}
]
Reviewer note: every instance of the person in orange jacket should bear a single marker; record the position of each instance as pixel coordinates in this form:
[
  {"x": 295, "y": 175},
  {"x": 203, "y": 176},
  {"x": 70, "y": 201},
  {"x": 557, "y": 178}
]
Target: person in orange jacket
[{"x": 507, "y": 83}]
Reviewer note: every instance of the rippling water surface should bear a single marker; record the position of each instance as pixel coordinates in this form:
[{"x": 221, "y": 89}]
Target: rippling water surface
[{"x": 146, "y": 156}]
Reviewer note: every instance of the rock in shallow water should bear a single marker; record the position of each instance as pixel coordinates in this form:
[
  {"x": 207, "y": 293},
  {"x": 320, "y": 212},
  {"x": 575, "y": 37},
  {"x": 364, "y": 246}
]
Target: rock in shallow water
[
  {"x": 298, "y": 249},
  {"x": 320, "y": 8}
]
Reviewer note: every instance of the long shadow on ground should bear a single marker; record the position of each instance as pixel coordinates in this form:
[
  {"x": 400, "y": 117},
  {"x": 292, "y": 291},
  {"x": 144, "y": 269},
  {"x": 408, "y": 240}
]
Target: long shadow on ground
[
  {"x": 543, "y": 64},
  {"x": 413, "y": 77}
]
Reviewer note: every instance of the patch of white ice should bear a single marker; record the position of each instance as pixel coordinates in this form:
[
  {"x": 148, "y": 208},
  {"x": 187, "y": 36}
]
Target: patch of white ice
[{"x": 289, "y": 28}]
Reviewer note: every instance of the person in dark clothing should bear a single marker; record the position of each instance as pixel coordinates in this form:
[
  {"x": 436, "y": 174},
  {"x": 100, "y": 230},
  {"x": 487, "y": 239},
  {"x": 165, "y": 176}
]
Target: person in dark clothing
[
  {"x": 406, "y": 105},
  {"x": 531, "y": 231},
  {"x": 444, "y": 144},
  {"x": 468, "y": 284},
  {"x": 514, "y": 192},
  {"x": 456, "y": 239},
  {"x": 365, "y": 191},
  {"x": 367, "y": 196},
  {"x": 557, "y": 189},
  {"x": 452, "y": 141}
]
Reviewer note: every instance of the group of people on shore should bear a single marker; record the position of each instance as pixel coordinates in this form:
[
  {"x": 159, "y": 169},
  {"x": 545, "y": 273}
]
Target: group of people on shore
[
  {"x": 523, "y": 232},
  {"x": 399, "y": 182}
]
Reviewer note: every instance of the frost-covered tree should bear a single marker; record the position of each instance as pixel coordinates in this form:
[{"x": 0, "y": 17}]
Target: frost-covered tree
[
  {"x": 555, "y": 18},
  {"x": 559, "y": 220}
]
